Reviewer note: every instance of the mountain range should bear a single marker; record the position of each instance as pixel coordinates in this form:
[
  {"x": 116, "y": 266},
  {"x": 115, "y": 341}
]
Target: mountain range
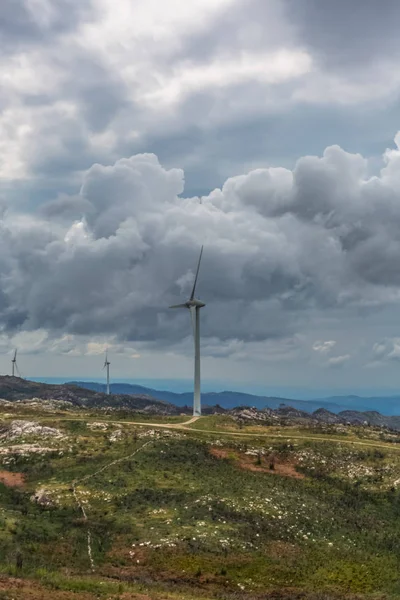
[
  {"x": 230, "y": 399},
  {"x": 241, "y": 406}
]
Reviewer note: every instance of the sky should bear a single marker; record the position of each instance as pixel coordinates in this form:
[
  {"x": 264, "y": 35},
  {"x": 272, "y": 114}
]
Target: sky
[{"x": 132, "y": 132}]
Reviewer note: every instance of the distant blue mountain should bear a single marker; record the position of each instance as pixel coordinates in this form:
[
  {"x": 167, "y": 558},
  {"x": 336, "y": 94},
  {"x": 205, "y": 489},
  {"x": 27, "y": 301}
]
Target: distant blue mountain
[
  {"x": 386, "y": 405},
  {"x": 229, "y": 399}
]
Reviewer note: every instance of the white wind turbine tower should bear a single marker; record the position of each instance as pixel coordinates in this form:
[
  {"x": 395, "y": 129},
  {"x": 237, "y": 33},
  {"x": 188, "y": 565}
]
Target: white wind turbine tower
[
  {"x": 107, "y": 366},
  {"x": 194, "y": 306}
]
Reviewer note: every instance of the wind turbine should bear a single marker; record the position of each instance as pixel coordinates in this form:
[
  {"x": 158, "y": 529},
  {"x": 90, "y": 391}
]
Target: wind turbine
[
  {"x": 194, "y": 306},
  {"x": 107, "y": 366},
  {"x": 14, "y": 364}
]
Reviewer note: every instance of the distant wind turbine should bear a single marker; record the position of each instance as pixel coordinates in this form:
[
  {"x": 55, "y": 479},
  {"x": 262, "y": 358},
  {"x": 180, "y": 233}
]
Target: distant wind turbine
[
  {"x": 14, "y": 365},
  {"x": 194, "y": 306},
  {"x": 107, "y": 366}
]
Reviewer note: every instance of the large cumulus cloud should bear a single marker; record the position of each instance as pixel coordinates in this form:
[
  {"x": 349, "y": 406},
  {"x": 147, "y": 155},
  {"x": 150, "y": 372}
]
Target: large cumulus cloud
[
  {"x": 281, "y": 246},
  {"x": 215, "y": 86}
]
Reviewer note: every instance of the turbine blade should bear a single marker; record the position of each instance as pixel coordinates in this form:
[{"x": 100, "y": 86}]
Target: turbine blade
[
  {"x": 179, "y": 306},
  {"x": 15, "y": 354},
  {"x": 197, "y": 274}
]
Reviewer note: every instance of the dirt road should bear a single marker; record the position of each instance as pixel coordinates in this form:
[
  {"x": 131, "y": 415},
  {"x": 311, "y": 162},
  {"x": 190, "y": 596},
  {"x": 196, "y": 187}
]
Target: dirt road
[{"x": 239, "y": 434}]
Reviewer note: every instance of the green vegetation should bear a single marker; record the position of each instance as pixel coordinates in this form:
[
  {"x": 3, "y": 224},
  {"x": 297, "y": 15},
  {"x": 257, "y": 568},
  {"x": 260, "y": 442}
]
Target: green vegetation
[{"x": 199, "y": 515}]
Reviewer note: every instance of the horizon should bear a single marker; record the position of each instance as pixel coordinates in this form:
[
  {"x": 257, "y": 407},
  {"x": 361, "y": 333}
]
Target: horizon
[{"x": 186, "y": 386}]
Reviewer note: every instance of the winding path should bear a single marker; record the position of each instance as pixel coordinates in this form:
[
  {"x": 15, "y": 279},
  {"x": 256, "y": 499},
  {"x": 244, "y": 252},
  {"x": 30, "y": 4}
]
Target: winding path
[
  {"x": 80, "y": 504},
  {"x": 241, "y": 434}
]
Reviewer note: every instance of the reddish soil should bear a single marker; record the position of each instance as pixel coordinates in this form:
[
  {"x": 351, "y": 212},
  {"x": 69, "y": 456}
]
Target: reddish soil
[
  {"x": 12, "y": 479},
  {"x": 278, "y": 549},
  {"x": 19, "y": 589},
  {"x": 248, "y": 462}
]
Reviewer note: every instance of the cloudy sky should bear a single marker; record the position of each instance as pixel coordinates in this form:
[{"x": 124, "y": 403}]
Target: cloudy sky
[{"x": 117, "y": 115}]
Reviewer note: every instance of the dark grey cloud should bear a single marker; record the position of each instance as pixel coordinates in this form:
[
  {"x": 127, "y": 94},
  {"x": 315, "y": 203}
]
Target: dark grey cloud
[
  {"x": 210, "y": 155},
  {"x": 252, "y": 26},
  {"x": 23, "y": 23},
  {"x": 99, "y": 92},
  {"x": 98, "y": 97},
  {"x": 345, "y": 35},
  {"x": 67, "y": 208}
]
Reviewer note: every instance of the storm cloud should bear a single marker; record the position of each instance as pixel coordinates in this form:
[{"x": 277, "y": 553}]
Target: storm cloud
[
  {"x": 115, "y": 116},
  {"x": 279, "y": 245}
]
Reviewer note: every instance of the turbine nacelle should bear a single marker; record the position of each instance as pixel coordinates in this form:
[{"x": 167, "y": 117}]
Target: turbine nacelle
[
  {"x": 106, "y": 361},
  {"x": 195, "y": 303},
  {"x": 190, "y": 304},
  {"x": 14, "y": 364}
]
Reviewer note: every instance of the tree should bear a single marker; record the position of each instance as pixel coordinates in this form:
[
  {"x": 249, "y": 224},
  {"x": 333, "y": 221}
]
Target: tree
[
  {"x": 271, "y": 460},
  {"x": 18, "y": 560}
]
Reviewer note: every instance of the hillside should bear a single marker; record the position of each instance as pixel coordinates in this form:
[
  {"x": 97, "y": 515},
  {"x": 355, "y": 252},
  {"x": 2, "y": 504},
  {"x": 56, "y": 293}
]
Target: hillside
[
  {"x": 15, "y": 388},
  {"x": 225, "y": 507},
  {"x": 287, "y": 415}
]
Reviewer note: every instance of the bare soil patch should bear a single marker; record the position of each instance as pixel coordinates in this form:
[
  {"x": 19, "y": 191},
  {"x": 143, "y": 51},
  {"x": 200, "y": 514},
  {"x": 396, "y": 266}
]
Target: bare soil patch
[
  {"x": 279, "y": 549},
  {"x": 248, "y": 462},
  {"x": 19, "y": 589},
  {"x": 12, "y": 479}
]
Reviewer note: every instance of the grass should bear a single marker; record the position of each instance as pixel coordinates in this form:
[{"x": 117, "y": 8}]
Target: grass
[{"x": 175, "y": 519}]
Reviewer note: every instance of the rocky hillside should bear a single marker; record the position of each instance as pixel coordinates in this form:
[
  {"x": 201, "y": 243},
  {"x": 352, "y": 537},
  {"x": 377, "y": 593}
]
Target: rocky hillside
[
  {"x": 16, "y": 389},
  {"x": 287, "y": 415}
]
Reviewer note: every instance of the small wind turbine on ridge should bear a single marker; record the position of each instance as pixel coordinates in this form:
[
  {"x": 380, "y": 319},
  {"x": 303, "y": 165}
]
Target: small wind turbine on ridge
[
  {"x": 14, "y": 365},
  {"x": 107, "y": 366},
  {"x": 194, "y": 306}
]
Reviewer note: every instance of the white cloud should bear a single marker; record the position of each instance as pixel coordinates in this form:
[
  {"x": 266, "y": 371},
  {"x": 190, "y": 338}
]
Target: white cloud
[
  {"x": 273, "y": 68},
  {"x": 323, "y": 87},
  {"x": 27, "y": 342},
  {"x": 78, "y": 233},
  {"x": 95, "y": 348},
  {"x": 186, "y": 281},
  {"x": 324, "y": 347},
  {"x": 385, "y": 351},
  {"x": 338, "y": 361}
]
